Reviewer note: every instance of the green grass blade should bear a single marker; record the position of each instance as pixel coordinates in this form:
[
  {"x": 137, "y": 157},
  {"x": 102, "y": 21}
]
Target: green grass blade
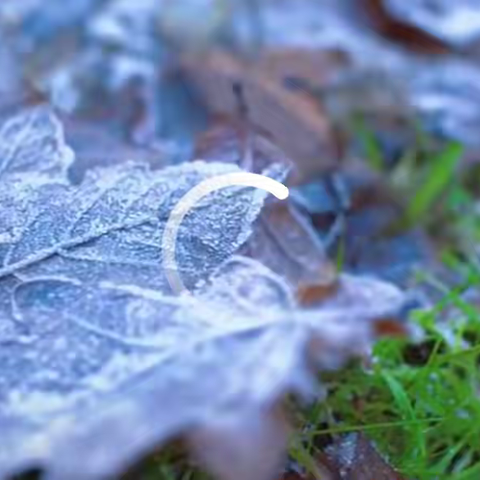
[
  {"x": 440, "y": 175},
  {"x": 371, "y": 147}
]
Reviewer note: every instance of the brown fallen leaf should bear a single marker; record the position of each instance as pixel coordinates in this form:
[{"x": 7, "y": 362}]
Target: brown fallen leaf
[
  {"x": 291, "y": 66},
  {"x": 234, "y": 140},
  {"x": 401, "y": 32},
  {"x": 355, "y": 458},
  {"x": 455, "y": 24},
  {"x": 295, "y": 120}
]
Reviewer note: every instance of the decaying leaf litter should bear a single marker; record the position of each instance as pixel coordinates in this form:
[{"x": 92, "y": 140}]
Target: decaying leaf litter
[{"x": 111, "y": 111}]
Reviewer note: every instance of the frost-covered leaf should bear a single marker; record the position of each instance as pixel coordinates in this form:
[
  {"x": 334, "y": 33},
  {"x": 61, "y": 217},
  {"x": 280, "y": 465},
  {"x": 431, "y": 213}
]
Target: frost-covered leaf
[
  {"x": 111, "y": 226},
  {"x": 34, "y": 160},
  {"x": 108, "y": 373},
  {"x": 21, "y": 201},
  {"x": 32, "y": 142}
]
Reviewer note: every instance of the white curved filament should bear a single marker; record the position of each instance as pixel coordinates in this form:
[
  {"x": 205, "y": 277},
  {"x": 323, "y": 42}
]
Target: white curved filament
[{"x": 190, "y": 199}]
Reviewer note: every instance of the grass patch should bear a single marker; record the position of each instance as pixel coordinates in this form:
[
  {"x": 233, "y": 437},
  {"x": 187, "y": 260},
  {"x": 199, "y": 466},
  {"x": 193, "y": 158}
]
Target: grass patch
[{"x": 419, "y": 402}]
